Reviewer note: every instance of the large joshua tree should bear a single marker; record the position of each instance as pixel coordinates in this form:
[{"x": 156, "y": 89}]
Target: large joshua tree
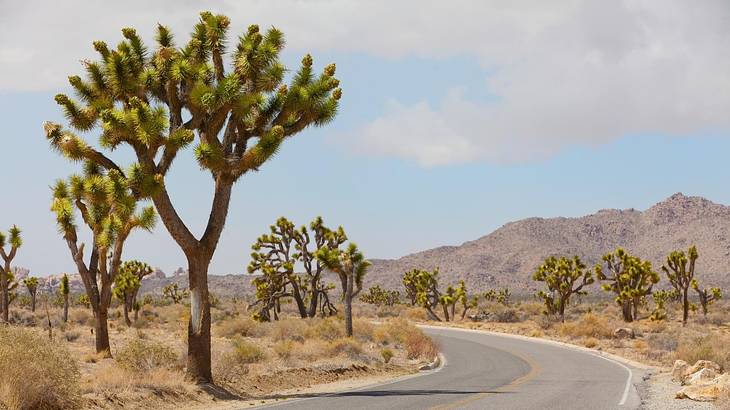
[
  {"x": 159, "y": 102},
  {"x": 109, "y": 209},
  {"x": 14, "y": 240},
  {"x": 564, "y": 278},
  {"x": 680, "y": 270},
  {"x": 630, "y": 278},
  {"x": 275, "y": 256},
  {"x": 351, "y": 267}
]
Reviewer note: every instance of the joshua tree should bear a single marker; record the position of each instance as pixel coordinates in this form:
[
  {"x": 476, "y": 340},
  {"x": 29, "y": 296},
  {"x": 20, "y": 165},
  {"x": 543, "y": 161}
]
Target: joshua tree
[
  {"x": 158, "y": 102},
  {"x": 127, "y": 283},
  {"x": 630, "y": 278},
  {"x": 32, "y": 285},
  {"x": 707, "y": 296},
  {"x": 15, "y": 242},
  {"x": 174, "y": 293},
  {"x": 350, "y": 265},
  {"x": 680, "y": 270},
  {"x": 275, "y": 255},
  {"x": 83, "y": 300},
  {"x": 109, "y": 209},
  {"x": 661, "y": 297},
  {"x": 424, "y": 285},
  {"x": 501, "y": 296},
  {"x": 65, "y": 289},
  {"x": 564, "y": 278},
  {"x": 380, "y": 297},
  {"x": 409, "y": 283}
]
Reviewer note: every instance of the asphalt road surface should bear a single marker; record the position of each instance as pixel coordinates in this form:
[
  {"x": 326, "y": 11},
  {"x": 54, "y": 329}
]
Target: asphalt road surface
[{"x": 485, "y": 371}]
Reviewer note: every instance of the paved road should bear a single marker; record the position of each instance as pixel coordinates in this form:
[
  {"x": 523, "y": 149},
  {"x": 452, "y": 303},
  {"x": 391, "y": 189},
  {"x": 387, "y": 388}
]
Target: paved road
[{"x": 485, "y": 371}]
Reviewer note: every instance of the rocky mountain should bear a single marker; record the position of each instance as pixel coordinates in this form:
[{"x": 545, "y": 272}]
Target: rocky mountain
[{"x": 509, "y": 255}]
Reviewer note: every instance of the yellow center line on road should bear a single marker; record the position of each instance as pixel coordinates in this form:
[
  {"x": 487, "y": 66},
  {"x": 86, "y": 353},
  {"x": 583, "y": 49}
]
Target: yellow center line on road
[{"x": 535, "y": 369}]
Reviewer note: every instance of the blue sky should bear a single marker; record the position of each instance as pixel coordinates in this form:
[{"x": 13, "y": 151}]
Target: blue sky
[{"x": 432, "y": 147}]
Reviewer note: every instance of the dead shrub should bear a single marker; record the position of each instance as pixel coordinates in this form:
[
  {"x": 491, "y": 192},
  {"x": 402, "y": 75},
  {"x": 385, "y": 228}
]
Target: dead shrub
[
  {"x": 327, "y": 329},
  {"x": 713, "y": 347},
  {"x": 284, "y": 348},
  {"x": 415, "y": 313},
  {"x": 345, "y": 346},
  {"x": 590, "y": 325},
  {"x": 420, "y": 346},
  {"x": 505, "y": 315},
  {"x": 35, "y": 372},
  {"x": 242, "y": 326},
  {"x": 144, "y": 355},
  {"x": 590, "y": 342},
  {"x": 246, "y": 352},
  {"x": 288, "y": 329},
  {"x": 363, "y": 329}
]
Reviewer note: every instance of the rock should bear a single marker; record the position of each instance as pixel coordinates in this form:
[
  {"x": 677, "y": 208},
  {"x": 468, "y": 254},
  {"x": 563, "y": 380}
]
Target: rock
[
  {"x": 436, "y": 363},
  {"x": 624, "y": 333},
  {"x": 679, "y": 370},
  {"x": 704, "y": 364},
  {"x": 702, "y": 375},
  {"x": 705, "y": 390}
]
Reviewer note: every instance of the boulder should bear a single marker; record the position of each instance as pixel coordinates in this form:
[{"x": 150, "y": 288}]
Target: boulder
[
  {"x": 704, "y": 364},
  {"x": 679, "y": 370},
  {"x": 624, "y": 333},
  {"x": 707, "y": 390},
  {"x": 700, "y": 376}
]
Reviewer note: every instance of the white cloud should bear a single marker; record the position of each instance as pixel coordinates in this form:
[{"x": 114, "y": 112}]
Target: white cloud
[{"x": 568, "y": 72}]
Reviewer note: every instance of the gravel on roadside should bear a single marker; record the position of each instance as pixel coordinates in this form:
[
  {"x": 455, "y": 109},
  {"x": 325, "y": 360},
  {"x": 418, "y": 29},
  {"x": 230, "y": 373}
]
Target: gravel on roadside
[{"x": 657, "y": 393}]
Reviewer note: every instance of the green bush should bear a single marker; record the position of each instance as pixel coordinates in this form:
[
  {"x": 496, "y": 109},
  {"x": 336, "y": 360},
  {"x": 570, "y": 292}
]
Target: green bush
[
  {"x": 387, "y": 354},
  {"x": 247, "y": 352}
]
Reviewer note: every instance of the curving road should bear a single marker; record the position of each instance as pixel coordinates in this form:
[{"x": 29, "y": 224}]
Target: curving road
[{"x": 489, "y": 371}]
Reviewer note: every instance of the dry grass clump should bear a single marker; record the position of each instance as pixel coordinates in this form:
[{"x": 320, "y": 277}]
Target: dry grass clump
[
  {"x": 241, "y": 326},
  {"x": 143, "y": 355},
  {"x": 246, "y": 352},
  {"x": 283, "y": 349},
  {"x": 327, "y": 329},
  {"x": 81, "y": 316},
  {"x": 714, "y": 347},
  {"x": 288, "y": 329},
  {"x": 363, "y": 329},
  {"x": 420, "y": 346},
  {"x": 415, "y": 313},
  {"x": 590, "y": 325},
  {"x": 112, "y": 383},
  {"x": 590, "y": 342},
  {"x": 35, "y": 373},
  {"x": 346, "y": 346}
]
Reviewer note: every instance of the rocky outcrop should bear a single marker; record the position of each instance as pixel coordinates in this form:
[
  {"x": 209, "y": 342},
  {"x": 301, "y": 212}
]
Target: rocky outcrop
[
  {"x": 624, "y": 333},
  {"x": 509, "y": 255},
  {"x": 702, "y": 381}
]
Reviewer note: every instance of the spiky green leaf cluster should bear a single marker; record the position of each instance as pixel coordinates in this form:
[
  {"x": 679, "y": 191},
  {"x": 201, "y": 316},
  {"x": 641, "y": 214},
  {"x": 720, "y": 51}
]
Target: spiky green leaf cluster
[
  {"x": 157, "y": 99},
  {"x": 563, "y": 277}
]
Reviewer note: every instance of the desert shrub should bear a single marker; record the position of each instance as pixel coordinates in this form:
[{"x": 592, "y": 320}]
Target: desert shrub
[
  {"x": 420, "y": 346},
  {"x": 713, "y": 318},
  {"x": 71, "y": 335},
  {"x": 398, "y": 329},
  {"x": 24, "y": 317},
  {"x": 532, "y": 308},
  {"x": 346, "y": 345},
  {"x": 663, "y": 341},
  {"x": 143, "y": 355},
  {"x": 590, "y": 325},
  {"x": 544, "y": 322},
  {"x": 386, "y": 354},
  {"x": 247, "y": 352},
  {"x": 414, "y": 313},
  {"x": 81, "y": 316},
  {"x": 327, "y": 329},
  {"x": 242, "y": 326},
  {"x": 381, "y": 335},
  {"x": 311, "y": 349},
  {"x": 283, "y": 348},
  {"x": 288, "y": 329},
  {"x": 35, "y": 372},
  {"x": 713, "y": 347},
  {"x": 590, "y": 342},
  {"x": 505, "y": 315},
  {"x": 363, "y": 329}
]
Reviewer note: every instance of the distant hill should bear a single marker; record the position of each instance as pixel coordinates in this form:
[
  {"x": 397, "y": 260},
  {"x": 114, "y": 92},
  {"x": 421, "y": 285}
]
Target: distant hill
[{"x": 509, "y": 255}]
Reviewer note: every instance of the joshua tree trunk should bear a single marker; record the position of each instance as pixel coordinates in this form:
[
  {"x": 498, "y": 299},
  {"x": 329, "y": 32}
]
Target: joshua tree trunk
[
  {"x": 561, "y": 310},
  {"x": 626, "y": 311},
  {"x": 101, "y": 332},
  {"x": 685, "y": 307},
  {"x": 32, "y": 302},
  {"x": 126, "y": 312},
  {"x": 65, "y": 308},
  {"x": 199, "y": 254},
  {"x": 348, "y": 305},
  {"x": 5, "y": 296},
  {"x": 446, "y": 312},
  {"x": 199, "y": 362}
]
